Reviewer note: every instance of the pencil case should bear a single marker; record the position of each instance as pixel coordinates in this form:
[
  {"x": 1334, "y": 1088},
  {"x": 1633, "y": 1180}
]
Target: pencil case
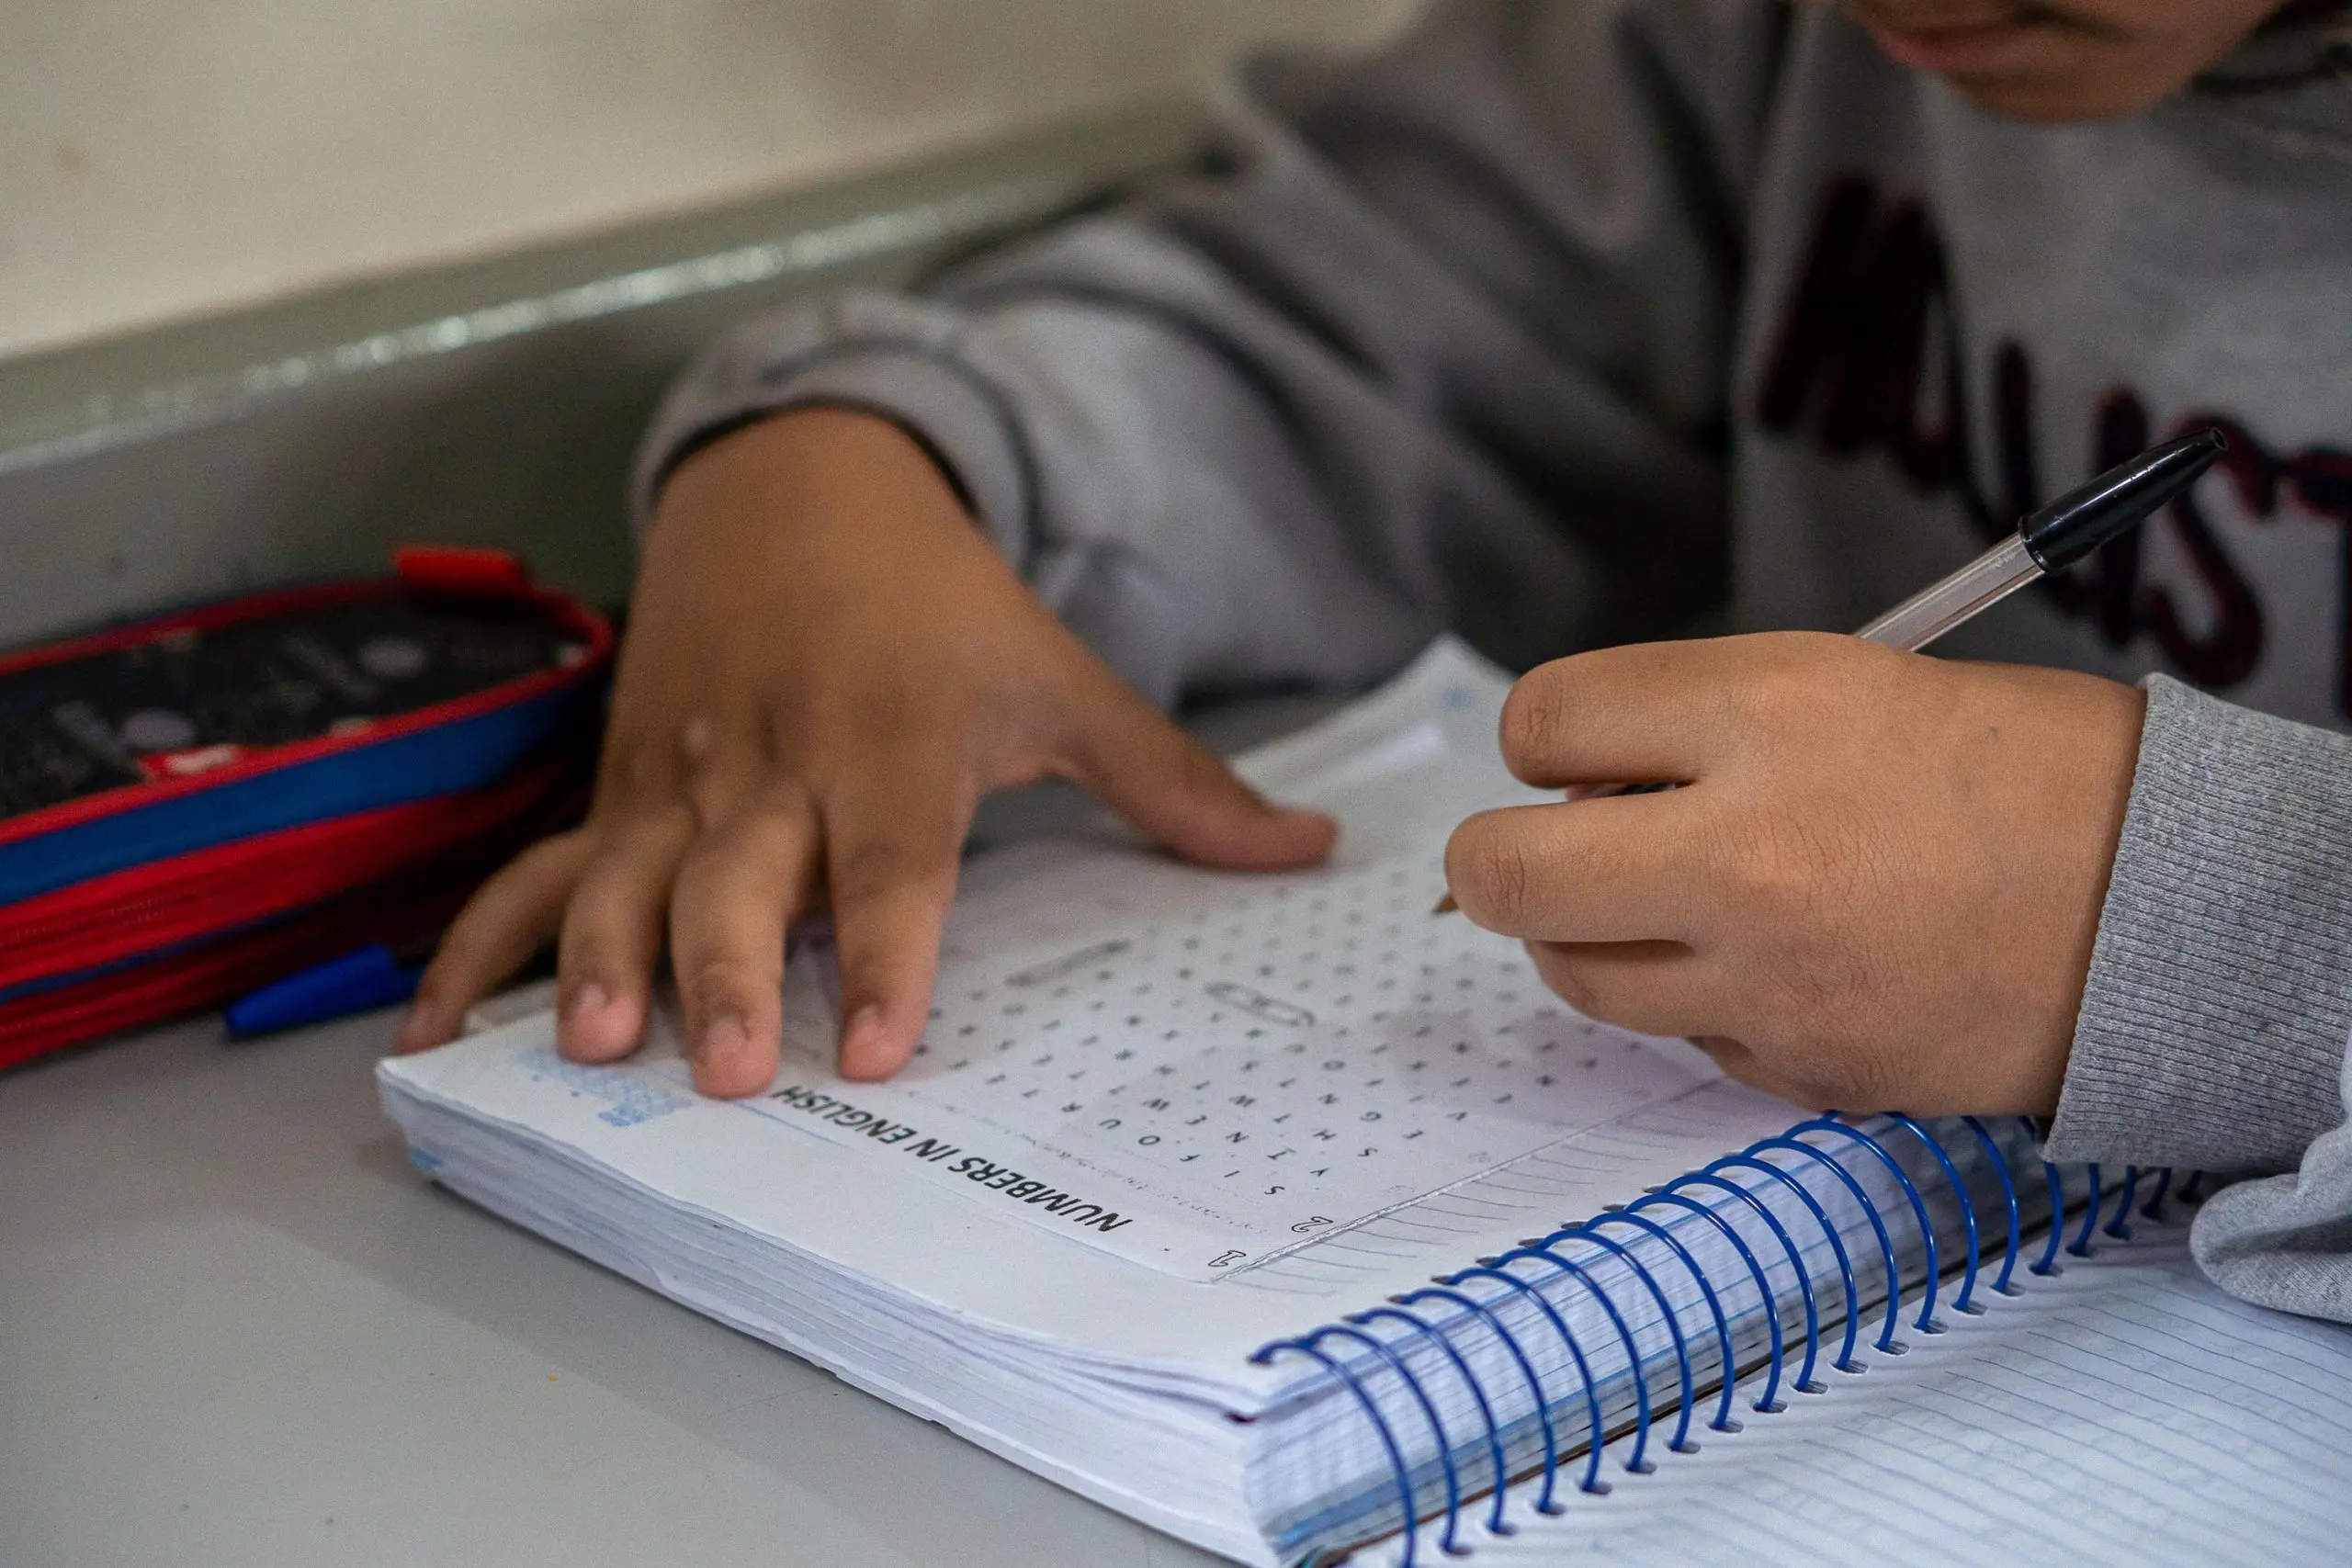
[{"x": 197, "y": 803}]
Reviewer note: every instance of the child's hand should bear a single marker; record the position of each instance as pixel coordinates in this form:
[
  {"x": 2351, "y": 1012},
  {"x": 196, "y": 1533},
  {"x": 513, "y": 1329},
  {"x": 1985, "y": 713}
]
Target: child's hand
[
  {"x": 827, "y": 666},
  {"x": 1878, "y": 890}
]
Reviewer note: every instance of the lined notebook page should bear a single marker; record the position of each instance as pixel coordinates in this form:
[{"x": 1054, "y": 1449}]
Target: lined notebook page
[{"x": 2124, "y": 1413}]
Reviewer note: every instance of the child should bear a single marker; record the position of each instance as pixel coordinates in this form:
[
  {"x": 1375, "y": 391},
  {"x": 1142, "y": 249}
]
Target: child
[{"x": 1570, "y": 324}]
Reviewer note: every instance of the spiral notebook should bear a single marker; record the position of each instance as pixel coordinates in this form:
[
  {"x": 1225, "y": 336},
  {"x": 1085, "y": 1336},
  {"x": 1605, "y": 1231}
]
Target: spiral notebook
[{"x": 1279, "y": 1215}]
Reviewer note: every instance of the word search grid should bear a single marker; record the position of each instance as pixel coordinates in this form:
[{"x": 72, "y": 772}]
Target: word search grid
[{"x": 1204, "y": 1091}]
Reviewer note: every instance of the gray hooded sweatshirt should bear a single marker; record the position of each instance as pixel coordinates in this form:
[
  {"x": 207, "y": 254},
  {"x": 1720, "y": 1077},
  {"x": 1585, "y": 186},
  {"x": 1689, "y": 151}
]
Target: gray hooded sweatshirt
[{"x": 1563, "y": 323}]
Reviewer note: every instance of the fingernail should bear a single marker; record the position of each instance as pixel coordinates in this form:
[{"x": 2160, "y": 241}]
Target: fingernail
[
  {"x": 592, "y": 1027},
  {"x": 724, "y": 1043}
]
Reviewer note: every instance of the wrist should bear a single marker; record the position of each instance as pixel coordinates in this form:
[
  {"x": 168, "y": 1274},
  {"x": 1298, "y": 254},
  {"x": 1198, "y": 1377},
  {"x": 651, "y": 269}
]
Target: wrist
[{"x": 795, "y": 478}]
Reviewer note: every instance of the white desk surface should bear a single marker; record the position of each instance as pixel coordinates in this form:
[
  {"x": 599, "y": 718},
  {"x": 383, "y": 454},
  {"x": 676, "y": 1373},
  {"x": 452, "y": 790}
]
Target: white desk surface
[{"x": 236, "y": 1328}]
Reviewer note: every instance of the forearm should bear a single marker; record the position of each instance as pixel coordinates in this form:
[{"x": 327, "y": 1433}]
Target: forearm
[
  {"x": 1151, "y": 497},
  {"x": 1378, "y": 371}
]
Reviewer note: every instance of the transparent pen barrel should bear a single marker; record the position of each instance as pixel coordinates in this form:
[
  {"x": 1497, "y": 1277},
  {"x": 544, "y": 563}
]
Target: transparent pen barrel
[{"x": 1929, "y": 614}]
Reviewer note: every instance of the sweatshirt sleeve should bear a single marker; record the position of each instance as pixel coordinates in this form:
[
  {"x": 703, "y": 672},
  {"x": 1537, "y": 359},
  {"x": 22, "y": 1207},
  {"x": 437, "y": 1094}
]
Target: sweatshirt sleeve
[
  {"x": 2214, "y": 1024},
  {"x": 1439, "y": 336}
]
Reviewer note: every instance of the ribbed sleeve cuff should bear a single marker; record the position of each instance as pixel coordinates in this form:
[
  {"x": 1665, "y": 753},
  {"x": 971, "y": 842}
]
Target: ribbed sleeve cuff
[
  {"x": 2213, "y": 1023},
  {"x": 886, "y": 355}
]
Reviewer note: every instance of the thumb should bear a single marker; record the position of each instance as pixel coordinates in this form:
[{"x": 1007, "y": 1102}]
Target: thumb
[{"x": 1134, "y": 759}]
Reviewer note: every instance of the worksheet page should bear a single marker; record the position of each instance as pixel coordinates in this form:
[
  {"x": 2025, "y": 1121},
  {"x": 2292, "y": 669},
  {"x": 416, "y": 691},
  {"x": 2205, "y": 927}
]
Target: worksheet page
[
  {"x": 1208, "y": 1107},
  {"x": 1201, "y": 1071},
  {"x": 1202, "y": 1092}
]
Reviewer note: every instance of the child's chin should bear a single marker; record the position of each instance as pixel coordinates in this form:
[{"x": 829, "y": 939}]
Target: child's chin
[
  {"x": 2056, "y": 102},
  {"x": 2034, "y": 70}
]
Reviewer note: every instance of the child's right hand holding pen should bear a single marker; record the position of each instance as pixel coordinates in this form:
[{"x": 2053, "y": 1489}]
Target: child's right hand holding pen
[{"x": 827, "y": 666}]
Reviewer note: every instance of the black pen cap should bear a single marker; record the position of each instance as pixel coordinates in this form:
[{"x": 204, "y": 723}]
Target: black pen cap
[{"x": 2089, "y": 515}]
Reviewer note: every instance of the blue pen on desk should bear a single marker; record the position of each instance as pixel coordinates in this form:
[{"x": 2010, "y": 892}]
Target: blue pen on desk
[{"x": 356, "y": 982}]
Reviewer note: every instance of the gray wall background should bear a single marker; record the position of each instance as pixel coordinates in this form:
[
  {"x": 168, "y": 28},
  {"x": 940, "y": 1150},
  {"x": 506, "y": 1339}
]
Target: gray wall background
[{"x": 494, "y": 401}]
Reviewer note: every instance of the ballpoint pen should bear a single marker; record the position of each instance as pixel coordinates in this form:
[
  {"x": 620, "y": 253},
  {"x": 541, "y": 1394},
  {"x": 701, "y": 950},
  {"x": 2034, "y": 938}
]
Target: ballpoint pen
[{"x": 2050, "y": 540}]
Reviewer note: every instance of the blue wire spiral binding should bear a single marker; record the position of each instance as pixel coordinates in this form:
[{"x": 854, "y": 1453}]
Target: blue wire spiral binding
[
  {"x": 2001, "y": 1286},
  {"x": 2081, "y": 1246},
  {"x": 1726, "y": 1364},
  {"x": 1635, "y": 1463},
  {"x": 1671, "y": 1195},
  {"x": 1845, "y": 1361},
  {"x": 1964, "y": 1302},
  {"x": 1680, "y": 1442},
  {"x": 2193, "y": 1190},
  {"x": 1767, "y": 1405},
  {"x": 1379, "y": 1347},
  {"x": 1804, "y": 1380},
  {"x": 2120, "y": 1227},
  {"x": 1266, "y": 1353},
  {"x": 1495, "y": 1525},
  {"x": 1543, "y": 1503},
  {"x": 1598, "y": 1436},
  {"x": 1887, "y": 1342},
  {"x": 2048, "y": 1263},
  {"x": 1927, "y": 1323}
]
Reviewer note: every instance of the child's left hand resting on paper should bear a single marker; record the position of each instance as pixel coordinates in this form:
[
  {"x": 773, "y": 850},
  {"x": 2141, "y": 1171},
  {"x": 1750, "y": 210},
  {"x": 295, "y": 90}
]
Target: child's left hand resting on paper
[{"x": 1877, "y": 889}]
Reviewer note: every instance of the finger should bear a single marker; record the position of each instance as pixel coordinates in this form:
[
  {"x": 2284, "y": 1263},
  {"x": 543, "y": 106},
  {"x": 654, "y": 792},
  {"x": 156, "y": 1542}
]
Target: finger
[
  {"x": 1734, "y": 1058},
  {"x": 1738, "y": 1061},
  {"x": 1768, "y": 1073},
  {"x": 1181, "y": 795},
  {"x": 1623, "y": 868},
  {"x": 891, "y": 857},
  {"x": 1650, "y": 987},
  {"x": 736, "y": 895},
  {"x": 611, "y": 937},
  {"x": 510, "y": 917},
  {"x": 1659, "y": 710}
]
